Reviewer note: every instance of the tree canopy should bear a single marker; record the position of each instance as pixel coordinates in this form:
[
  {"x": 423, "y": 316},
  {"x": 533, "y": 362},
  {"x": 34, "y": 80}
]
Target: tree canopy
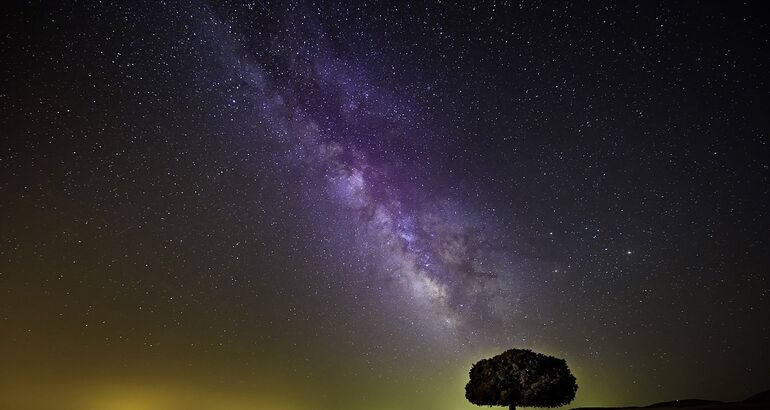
[{"x": 521, "y": 377}]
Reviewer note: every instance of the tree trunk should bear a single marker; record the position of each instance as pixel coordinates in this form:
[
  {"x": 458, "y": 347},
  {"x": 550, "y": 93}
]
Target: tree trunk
[{"x": 512, "y": 407}]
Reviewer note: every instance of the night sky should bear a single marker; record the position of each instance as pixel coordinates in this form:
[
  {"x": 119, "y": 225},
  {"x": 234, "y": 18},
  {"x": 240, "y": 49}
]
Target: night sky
[{"x": 333, "y": 206}]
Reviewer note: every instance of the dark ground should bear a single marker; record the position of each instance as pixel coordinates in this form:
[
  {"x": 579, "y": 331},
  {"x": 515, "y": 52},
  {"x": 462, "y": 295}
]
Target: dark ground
[{"x": 757, "y": 401}]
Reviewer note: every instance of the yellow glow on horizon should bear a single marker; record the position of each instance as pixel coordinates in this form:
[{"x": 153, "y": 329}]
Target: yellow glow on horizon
[{"x": 147, "y": 396}]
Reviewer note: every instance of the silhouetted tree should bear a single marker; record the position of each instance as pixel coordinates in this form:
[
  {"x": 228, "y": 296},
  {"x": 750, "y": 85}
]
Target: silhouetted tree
[{"x": 519, "y": 377}]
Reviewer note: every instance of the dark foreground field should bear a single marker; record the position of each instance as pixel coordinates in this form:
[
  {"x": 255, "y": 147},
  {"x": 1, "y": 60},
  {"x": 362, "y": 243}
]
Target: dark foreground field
[{"x": 757, "y": 401}]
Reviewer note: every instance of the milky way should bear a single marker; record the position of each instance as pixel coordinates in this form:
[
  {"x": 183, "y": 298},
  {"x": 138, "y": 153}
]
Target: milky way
[{"x": 364, "y": 143}]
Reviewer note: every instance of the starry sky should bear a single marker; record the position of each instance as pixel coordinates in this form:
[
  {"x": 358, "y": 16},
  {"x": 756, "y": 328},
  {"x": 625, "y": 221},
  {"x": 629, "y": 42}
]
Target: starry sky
[{"x": 344, "y": 205}]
